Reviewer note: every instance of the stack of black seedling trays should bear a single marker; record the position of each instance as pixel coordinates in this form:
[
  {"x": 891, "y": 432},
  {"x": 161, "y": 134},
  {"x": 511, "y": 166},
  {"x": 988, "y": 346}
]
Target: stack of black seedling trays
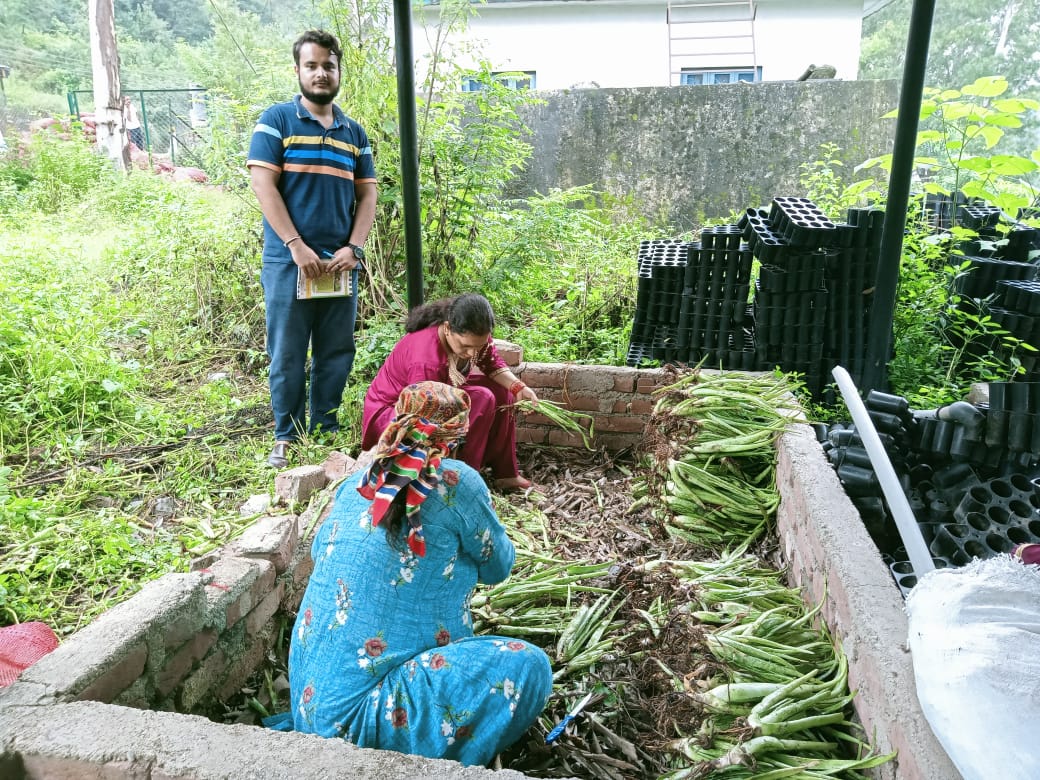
[
  {"x": 790, "y": 304},
  {"x": 851, "y": 264},
  {"x": 713, "y": 322},
  {"x": 1016, "y": 308},
  {"x": 662, "y": 269},
  {"x": 1003, "y": 289},
  {"x": 979, "y": 217},
  {"x": 1022, "y": 241},
  {"x": 1013, "y": 418},
  {"x": 983, "y": 274}
]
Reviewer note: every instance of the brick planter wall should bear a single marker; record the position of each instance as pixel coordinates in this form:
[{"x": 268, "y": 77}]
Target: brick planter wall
[
  {"x": 106, "y": 703},
  {"x": 619, "y": 399}
]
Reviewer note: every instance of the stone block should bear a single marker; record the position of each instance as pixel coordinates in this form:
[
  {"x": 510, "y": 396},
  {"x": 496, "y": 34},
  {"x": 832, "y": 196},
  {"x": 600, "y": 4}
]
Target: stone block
[
  {"x": 107, "y": 655},
  {"x": 296, "y": 486},
  {"x": 255, "y": 505},
  {"x": 271, "y": 537},
  {"x": 236, "y": 586},
  {"x": 337, "y": 465},
  {"x": 512, "y": 354}
]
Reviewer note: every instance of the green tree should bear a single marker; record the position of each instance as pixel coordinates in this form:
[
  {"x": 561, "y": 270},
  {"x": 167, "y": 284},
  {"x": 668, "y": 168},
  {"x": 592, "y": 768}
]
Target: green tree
[{"x": 970, "y": 39}]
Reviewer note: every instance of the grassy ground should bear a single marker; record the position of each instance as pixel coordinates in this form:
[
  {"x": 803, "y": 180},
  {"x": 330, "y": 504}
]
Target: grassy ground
[{"x": 134, "y": 417}]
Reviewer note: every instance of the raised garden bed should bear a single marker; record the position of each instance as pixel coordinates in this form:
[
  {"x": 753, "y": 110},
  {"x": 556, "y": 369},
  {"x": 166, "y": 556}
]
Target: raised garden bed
[{"x": 190, "y": 641}]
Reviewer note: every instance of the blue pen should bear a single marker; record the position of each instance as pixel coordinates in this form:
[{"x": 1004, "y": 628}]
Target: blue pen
[{"x": 559, "y": 727}]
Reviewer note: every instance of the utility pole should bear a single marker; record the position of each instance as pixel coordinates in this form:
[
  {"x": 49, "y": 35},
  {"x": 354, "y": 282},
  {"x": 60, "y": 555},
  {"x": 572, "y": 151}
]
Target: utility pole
[{"x": 108, "y": 101}]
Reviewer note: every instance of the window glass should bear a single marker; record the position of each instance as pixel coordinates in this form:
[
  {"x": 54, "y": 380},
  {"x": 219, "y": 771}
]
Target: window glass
[{"x": 698, "y": 76}]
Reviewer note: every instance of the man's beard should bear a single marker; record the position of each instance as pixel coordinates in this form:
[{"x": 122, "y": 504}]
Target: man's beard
[{"x": 319, "y": 98}]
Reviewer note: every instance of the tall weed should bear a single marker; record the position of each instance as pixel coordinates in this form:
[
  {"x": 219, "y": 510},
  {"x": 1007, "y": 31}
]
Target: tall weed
[{"x": 560, "y": 271}]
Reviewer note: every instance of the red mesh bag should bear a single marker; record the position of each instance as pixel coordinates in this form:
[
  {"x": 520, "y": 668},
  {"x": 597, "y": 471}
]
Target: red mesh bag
[{"x": 21, "y": 646}]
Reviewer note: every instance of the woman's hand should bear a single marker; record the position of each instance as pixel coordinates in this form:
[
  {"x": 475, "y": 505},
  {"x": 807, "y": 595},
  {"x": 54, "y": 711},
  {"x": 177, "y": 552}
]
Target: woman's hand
[{"x": 528, "y": 395}]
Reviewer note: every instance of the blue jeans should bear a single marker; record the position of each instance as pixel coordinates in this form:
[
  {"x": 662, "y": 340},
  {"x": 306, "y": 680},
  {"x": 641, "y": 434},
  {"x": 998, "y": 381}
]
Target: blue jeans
[{"x": 326, "y": 325}]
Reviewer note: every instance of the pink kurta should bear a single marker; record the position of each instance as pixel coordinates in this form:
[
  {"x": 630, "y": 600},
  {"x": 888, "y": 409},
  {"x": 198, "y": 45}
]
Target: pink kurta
[{"x": 419, "y": 357}]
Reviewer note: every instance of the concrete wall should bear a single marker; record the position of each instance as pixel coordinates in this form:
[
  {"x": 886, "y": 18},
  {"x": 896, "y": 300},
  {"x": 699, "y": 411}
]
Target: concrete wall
[
  {"x": 108, "y": 702},
  {"x": 686, "y": 153},
  {"x": 829, "y": 554}
]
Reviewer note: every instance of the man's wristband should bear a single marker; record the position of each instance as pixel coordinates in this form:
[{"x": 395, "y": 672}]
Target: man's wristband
[
  {"x": 291, "y": 240},
  {"x": 516, "y": 387}
]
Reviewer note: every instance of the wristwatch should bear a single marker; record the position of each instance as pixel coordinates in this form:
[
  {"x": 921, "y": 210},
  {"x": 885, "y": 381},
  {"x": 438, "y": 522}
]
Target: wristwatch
[{"x": 359, "y": 253}]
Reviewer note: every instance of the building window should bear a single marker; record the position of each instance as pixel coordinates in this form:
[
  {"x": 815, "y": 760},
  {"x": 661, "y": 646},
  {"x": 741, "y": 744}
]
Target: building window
[
  {"x": 703, "y": 77},
  {"x": 513, "y": 79}
]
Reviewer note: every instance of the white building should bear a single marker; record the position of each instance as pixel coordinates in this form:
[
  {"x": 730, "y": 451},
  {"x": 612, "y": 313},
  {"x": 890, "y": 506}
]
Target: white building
[{"x": 560, "y": 44}]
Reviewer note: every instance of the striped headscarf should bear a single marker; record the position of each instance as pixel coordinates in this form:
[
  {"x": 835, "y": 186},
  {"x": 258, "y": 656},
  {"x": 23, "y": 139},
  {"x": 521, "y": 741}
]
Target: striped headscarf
[{"x": 430, "y": 419}]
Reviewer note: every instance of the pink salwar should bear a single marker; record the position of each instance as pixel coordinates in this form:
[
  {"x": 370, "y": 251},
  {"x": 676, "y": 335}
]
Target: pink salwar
[{"x": 419, "y": 357}]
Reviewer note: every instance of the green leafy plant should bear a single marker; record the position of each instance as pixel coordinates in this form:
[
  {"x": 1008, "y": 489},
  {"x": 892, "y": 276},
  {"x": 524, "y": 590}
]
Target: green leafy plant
[
  {"x": 945, "y": 341},
  {"x": 959, "y": 132},
  {"x": 823, "y": 183}
]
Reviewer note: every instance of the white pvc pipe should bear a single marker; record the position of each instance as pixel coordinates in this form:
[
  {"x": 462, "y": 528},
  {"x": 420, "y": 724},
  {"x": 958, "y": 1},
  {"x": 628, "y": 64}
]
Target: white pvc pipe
[{"x": 906, "y": 523}]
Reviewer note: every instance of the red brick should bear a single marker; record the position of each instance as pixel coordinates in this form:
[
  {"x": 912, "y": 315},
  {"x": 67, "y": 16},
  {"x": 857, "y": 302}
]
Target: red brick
[
  {"x": 177, "y": 667},
  {"x": 554, "y": 394},
  {"x": 297, "y": 485},
  {"x": 647, "y": 384},
  {"x": 198, "y": 686},
  {"x": 238, "y": 584},
  {"x": 118, "y": 678},
  {"x": 543, "y": 377},
  {"x": 258, "y": 618},
  {"x": 512, "y": 354},
  {"x": 620, "y": 424},
  {"x": 182, "y": 629},
  {"x": 635, "y": 406},
  {"x": 242, "y": 667},
  {"x": 584, "y": 403},
  {"x": 625, "y": 383},
  {"x": 614, "y": 442},
  {"x": 561, "y": 438},
  {"x": 336, "y": 465},
  {"x": 526, "y": 434},
  {"x": 535, "y": 419}
]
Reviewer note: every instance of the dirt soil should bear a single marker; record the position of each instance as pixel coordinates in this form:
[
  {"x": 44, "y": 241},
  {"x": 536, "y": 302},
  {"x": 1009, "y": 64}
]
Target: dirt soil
[{"x": 587, "y": 501}]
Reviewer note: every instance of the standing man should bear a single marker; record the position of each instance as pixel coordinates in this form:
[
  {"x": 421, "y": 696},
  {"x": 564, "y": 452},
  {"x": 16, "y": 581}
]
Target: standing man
[
  {"x": 132, "y": 123},
  {"x": 312, "y": 171}
]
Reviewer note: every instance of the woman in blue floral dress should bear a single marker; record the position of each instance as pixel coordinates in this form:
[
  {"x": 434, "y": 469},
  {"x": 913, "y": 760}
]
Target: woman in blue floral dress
[{"x": 383, "y": 652}]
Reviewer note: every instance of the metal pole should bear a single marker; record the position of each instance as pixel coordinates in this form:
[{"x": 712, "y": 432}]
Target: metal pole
[
  {"x": 409, "y": 150},
  {"x": 144, "y": 121},
  {"x": 879, "y": 343}
]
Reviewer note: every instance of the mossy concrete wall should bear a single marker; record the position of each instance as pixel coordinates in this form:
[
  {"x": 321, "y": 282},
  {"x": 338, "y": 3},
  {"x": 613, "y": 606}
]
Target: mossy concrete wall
[{"x": 686, "y": 153}]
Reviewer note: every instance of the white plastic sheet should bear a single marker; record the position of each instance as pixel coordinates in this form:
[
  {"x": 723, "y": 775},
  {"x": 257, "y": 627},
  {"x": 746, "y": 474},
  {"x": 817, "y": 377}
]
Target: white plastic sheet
[{"x": 975, "y": 641}]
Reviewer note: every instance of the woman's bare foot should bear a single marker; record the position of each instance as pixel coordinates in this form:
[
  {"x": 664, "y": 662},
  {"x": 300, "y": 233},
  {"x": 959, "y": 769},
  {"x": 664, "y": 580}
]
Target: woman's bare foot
[{"x": 508, "y": 484}]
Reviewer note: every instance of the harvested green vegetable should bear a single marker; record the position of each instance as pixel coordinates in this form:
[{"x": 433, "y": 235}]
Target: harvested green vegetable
[{"x": 577, "y": 423}]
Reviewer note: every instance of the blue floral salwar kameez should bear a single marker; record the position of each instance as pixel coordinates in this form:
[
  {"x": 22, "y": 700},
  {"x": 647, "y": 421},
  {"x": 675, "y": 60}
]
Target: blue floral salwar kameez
[{"x": 383, "y": 652}]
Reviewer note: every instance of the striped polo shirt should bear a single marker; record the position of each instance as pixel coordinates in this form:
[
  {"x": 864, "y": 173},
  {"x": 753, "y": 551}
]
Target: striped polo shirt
[{"x": 317, "y": 170}]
